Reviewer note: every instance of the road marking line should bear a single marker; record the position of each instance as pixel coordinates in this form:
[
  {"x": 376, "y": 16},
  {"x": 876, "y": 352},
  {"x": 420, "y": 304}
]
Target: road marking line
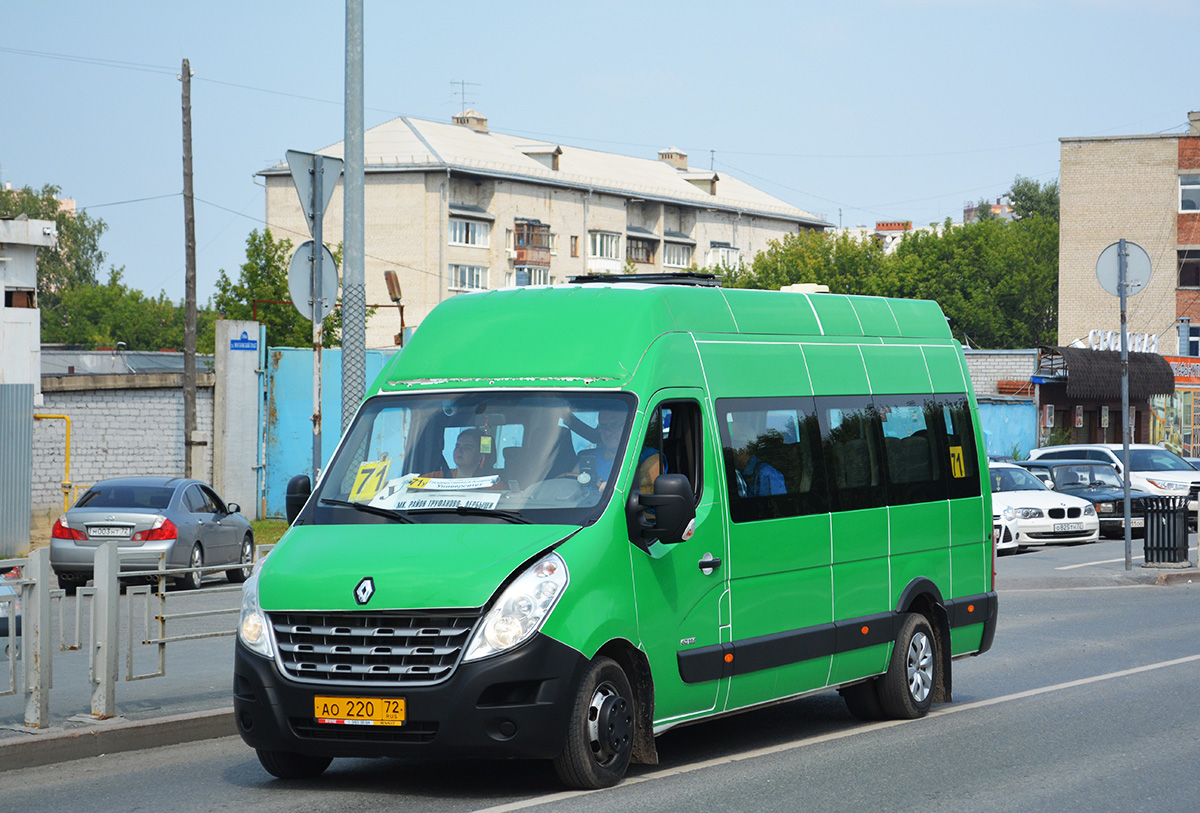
[
  {"x": 1090, "y": 564},
  {"x": 834, "y": 736}
]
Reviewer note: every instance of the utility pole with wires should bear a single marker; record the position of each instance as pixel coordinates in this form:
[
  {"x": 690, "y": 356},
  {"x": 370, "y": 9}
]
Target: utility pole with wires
[
  {"x": 189, "y": 319},
  {"x": 462, "y": 91}
]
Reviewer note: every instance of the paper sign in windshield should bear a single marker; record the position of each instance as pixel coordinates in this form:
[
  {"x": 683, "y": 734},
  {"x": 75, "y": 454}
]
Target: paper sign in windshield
[
  {"x": 413, "y": 502},
  {"x": 456, "y": 484},
  {"x": 369, "y": 479}
]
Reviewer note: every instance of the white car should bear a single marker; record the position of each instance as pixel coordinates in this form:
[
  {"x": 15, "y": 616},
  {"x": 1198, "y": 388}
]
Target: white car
[
  {"x": 1042, "y": 516},
  {"x": 1004, "y": 531},
  {"x": 1152, "y": 468}
]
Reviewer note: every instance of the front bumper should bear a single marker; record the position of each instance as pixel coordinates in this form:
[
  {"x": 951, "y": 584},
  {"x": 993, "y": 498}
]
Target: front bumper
[{"x": 513, "y": 705}]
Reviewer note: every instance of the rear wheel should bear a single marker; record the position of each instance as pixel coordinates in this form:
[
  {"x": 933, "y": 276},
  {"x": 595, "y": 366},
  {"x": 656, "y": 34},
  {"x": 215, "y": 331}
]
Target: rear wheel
[
  {"x": 240, "y": 574},
  {"x": 906, "y": 689},
  {"x": 290, "y": 765},
  {"x": 600, "y": 734},
  {"x": 191, "y": 581}
]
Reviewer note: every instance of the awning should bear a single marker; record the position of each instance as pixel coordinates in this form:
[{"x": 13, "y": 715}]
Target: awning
[
  {"x": 466, "y": 210},
  {"x": 1096, "y": 374},
  {"x": 678, "y": 237},
  {"x": 638, "y": 233}
]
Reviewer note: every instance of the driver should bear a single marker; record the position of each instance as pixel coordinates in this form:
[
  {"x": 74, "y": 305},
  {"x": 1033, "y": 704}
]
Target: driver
[{"x": 470, "y": 457}]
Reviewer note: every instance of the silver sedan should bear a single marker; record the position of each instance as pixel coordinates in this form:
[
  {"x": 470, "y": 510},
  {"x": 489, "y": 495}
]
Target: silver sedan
[{"x": 150, "y": 516}]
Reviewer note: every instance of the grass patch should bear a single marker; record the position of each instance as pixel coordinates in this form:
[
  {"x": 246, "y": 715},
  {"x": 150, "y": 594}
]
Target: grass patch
[{"x": 268, "y": 531}]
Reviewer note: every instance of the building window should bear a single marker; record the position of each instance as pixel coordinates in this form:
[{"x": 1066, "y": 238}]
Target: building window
[
  {"x": 677, "y": 255},
  {"x": 469, "y": 232},
  {"x": 574, "y": 245},
  {"x": 1189, "y": 268},
  {"x": 723, "y": 254},
  {"x": 468, "y": 278},
  {"x": 1189, "y": 193},
  {"x": 640, "y": 251},
  {"x": 604, "y": 245},
  {"x": 539, "y": 276}
]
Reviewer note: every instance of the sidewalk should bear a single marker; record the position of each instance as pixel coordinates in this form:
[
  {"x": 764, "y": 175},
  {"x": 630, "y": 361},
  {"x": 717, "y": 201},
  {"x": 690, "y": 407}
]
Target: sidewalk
[{"x": 193, "y": 701}]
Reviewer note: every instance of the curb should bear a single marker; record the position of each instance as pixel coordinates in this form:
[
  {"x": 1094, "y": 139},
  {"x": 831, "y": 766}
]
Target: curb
[
  {"x": 1178, "y": 577},
  {"x": 52, "y": 747}
]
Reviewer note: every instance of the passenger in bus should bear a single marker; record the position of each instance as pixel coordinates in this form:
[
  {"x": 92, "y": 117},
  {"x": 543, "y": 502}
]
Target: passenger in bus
[{"x": 754, "y": 477}]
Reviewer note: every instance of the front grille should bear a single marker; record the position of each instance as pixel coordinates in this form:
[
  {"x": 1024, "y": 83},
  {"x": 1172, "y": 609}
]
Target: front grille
[
  {"x": 1069, "y": 513},
  {"x": 384, "y": 649},
  {"x": 412, "y": 732}
]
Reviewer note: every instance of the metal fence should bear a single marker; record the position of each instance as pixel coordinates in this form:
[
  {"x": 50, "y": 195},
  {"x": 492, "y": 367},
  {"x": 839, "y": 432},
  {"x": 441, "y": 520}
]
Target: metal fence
[{"x": 100, "y": 602}]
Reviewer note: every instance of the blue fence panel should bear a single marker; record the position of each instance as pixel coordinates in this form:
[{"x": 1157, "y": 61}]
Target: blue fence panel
[
  {"x": 1008, "y": 426},
  {"x": 288, "y": 418}
]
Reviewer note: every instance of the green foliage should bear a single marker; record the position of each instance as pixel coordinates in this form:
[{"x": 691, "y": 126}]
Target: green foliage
[
  {"x": 1030, "y": 198},
  {"x": 102, "y": 315},
  {"x": 75, "y": 260},
  {"x": 996, "y": 280},
  {"x": 264, "y": 277}
]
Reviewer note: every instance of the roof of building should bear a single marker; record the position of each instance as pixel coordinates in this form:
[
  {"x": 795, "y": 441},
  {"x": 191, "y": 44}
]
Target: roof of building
[
  {"x": 1096, "y": 374},
  {"x": 409, "y": 144}
]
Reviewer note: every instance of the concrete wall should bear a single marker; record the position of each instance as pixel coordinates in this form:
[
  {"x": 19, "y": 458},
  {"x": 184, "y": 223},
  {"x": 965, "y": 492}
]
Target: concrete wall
[
  {"x": 120, "y": 425},
  {"x": 235, "y": 444},
  {"x": 1113, "y": 188},
  {"x": 987, "y": 367}
]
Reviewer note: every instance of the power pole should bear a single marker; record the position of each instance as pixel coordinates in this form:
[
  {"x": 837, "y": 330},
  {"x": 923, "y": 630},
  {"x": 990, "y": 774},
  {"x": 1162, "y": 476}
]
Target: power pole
[
  {"x": 189, "y": 322},
  {"x": 354, "y": 296}
]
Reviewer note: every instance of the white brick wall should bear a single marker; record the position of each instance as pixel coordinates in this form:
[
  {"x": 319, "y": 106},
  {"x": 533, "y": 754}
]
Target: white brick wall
[
  {"x": 113, "y": 433},
  {"x": 987, "y": 367}
]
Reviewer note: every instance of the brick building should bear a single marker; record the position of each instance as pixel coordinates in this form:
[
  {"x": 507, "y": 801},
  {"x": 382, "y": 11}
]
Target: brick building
[
  {"x": 1145, "y": 189},
  {"x": 454, "y": 208}
]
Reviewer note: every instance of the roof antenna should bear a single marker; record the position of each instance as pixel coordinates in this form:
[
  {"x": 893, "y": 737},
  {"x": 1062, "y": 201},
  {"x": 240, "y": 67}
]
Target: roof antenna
[{"x": 462, "y": 91}]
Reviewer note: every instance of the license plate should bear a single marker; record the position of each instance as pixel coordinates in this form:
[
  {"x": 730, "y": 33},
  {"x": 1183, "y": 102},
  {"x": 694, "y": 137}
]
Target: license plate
[
  {"x": 359, "y": 710},
  {"x": 104, "y": 530},
  {"x": 1060, "y": 527},
  {"x": 1137, "y": 522}
]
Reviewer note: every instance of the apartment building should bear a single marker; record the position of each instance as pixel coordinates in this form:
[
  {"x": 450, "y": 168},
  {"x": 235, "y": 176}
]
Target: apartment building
[{"x": 453, "y": 208}]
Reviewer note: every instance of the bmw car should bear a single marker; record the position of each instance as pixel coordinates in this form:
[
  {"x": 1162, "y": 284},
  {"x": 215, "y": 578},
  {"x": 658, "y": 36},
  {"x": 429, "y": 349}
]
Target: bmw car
[
  {"x": 1043, "y": 516},
  {"x": 151, "y": 516}
]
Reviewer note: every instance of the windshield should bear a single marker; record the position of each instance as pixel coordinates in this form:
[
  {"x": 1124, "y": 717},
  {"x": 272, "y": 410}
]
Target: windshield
[
  {"x": 478, "y": 457},
  {"x": 1086, "y": 476},
  {"x": 1005, "y": 479},
  {"x": 118, "y": 496},
  {"x": 1156, "y": 460}
]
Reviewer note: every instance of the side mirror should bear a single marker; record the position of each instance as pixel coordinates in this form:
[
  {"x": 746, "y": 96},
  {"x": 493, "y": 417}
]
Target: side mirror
[
  {"x": 674, "y": 507},
  {"x": 233, "y": 508},
  {"x": 299, "y": 489}
]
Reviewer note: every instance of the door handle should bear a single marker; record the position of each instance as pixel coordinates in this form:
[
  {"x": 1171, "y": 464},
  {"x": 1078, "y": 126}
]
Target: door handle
[{"x": 709, "y": 563}]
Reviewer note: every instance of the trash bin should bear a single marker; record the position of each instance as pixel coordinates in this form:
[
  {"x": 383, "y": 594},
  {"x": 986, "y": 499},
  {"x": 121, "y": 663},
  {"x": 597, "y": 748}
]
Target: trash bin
[{"x": 1166, "y": 540}]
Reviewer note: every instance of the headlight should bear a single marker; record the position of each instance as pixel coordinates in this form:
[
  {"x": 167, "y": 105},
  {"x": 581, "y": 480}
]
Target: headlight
[
  {"x": 1009, "y": 514},
  {"x": 1029, "y": 513},
  {"x": 1168, "y": 485},
  {"x": 1104, "y": 507},
  {"x": 1089, "y": 511},
  {"x": 521, "y": 608},
  {"x": 253, "y": 629}
]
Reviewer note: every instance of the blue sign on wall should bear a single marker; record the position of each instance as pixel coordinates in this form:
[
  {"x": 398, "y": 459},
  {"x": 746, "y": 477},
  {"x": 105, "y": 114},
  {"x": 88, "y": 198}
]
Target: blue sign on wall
[{"x": 244, "y": 343}]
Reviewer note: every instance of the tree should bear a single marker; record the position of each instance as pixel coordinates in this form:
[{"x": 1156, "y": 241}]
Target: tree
[
  {"x": 1028, "y": 198},
  {"x": 74, "y": 261},
  {"x": 846, "y": 264},
  {"x": 103, "y": 315},
  {"x": 264, "y": 277}
]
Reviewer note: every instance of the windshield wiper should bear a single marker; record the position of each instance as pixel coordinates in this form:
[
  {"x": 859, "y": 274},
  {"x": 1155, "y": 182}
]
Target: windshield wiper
[
  {"x": 471, "y": 511},
  {"x": 368, "y": 508}
]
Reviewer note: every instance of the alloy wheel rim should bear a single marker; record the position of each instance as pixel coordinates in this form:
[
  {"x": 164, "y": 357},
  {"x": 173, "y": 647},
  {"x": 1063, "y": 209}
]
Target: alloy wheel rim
[{"x": 920, "y": 667}]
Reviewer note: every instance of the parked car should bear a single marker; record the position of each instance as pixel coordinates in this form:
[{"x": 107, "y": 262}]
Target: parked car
[
  {"x": 1004, "y": 530},
  {"x": 1098, "y": 483},
  {"x": 152, "y": 515},
  {"x": 1043, "y": 516},
  {"x": 1152, "y": 469}
]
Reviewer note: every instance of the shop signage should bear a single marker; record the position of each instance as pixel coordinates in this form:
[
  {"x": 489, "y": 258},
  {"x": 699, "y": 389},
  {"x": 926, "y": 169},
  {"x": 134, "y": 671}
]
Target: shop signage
[{"x": 1111, "y": 340}]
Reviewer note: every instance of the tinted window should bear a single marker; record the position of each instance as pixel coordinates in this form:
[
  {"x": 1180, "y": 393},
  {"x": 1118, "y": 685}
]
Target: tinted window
[
  {"x": 1156, "y": 460},
  {"x": 195, "y": 501},
  {"x": 915, "y": 469},
  {"x": 772, "y": 453},
  {"x": 960, "y": 450},
  {"x": 102, "y": 496},
  {"x": 851, "y": 440}
]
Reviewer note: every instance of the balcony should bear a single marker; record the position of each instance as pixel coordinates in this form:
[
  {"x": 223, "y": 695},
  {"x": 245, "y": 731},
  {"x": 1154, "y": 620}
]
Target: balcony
[{"x": 531, "y": 243}]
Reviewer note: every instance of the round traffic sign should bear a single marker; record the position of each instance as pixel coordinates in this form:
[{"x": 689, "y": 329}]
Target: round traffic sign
[
  {"x": 300, "y": 281},
  {"x": 1137, "y": 268}
]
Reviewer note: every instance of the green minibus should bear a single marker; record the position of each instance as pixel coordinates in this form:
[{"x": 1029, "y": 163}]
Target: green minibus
[{"x": 567, "y": 519}]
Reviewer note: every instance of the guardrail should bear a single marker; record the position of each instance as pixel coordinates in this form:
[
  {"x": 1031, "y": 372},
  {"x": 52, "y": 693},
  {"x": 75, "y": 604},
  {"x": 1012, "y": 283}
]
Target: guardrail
[{"x": 34, "y": 645}]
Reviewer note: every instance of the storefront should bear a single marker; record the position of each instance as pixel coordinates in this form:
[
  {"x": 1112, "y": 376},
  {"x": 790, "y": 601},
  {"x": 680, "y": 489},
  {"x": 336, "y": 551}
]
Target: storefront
[
  {"x": 1174, "y": 417},
  {"x": 1078, "y": 396}
]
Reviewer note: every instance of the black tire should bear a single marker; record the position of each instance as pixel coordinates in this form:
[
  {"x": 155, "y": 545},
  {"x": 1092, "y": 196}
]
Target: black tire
[
  {"x": 906, "y": 689},
  {"x": 191, "y": 581},
  {"x": 69, "y": 586},
  {"x": 246, "y": 557},
  {"x": 862, "y": 699},
  {"x": 290, "y": 765},
  {"x": 600, "y": 733}
]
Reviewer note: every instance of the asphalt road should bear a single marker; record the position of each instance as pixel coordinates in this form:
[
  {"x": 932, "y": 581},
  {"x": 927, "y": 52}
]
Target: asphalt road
[{"x": 1088, "y": 701}]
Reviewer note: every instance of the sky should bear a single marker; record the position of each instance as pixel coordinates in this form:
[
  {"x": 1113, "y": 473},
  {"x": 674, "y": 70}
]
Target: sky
[{"x": 853, "y": 111}]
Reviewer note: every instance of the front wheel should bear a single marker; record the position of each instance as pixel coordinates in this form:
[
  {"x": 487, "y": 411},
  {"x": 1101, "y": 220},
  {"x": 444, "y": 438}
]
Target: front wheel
[
  {"x": 600, "y": 734},
  {"x": 906, "y": 689},
  {"x": 246, "y": 559},
  {"x": 290, "y": 765}
]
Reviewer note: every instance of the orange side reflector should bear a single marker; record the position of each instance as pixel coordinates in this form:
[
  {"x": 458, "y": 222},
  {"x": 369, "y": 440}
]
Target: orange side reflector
[
  {"x": 970, "y": 608},
  {"x": 865, "y": 630},
  {"x": 728, "y": 657}
]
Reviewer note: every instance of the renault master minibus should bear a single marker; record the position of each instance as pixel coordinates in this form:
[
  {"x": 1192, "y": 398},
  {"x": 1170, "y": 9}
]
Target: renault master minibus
[{"x": 567, "y": 519}]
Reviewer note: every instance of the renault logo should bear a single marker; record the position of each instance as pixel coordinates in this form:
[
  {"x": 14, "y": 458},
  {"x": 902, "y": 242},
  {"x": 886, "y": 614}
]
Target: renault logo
[{"x": 364, "y": 591}]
